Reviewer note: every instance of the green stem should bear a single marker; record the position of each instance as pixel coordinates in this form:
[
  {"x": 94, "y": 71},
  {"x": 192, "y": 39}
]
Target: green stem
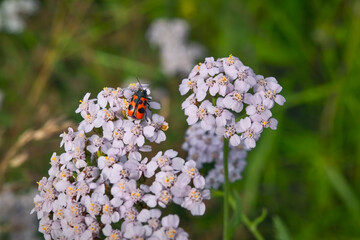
[
  {"x": 252, "y": 227},
  {"x": 226, "y": 232}
]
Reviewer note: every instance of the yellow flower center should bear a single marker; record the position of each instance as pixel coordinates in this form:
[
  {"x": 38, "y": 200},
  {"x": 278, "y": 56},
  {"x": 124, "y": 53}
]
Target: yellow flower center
[
  {"x": 238, "y": 96},
  {"x": 230, "y": 59},
  {"x": 106, "y": 208},
  {"x": 171, "y": 233},
  {"x": 165, "y": 126}
]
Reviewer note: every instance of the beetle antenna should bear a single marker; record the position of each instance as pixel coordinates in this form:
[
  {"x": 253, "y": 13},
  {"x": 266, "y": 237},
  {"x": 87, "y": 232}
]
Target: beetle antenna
[{"x": 139, "y": 83}]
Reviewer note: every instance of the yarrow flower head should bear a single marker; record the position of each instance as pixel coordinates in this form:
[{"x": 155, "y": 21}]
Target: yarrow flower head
[
  {"x": 227, "y": 100},
  {"x": 12, "y": 13},
  {"x": 177, "y": 54},
  {"x": 235, "y": 87},
  {"x": 102, "y": 186},
  {"x": 206, "y": 147}
]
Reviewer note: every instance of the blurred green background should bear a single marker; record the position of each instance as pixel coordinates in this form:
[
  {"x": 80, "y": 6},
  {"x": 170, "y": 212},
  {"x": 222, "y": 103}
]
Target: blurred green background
[{"x": 306, "y": 174}]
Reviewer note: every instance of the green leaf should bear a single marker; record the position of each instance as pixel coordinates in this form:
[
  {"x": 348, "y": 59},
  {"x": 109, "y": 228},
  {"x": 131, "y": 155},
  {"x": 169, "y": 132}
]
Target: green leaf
[
  {"x": 236, "y": 220},
  {"x": 281, "y": 231},
  {"x": 343, "y": 189}
]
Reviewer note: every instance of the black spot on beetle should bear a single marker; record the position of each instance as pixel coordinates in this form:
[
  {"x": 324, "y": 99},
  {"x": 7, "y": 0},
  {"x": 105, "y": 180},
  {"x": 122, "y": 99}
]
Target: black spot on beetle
[
  {"x": 131, "y": 107},
  {"x": 145, "y": 102},
  {"x": 140, "y": 102},
  {"x": 141, "y": 110}
]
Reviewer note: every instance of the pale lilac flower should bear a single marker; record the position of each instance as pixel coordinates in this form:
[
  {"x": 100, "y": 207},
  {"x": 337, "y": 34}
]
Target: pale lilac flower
[
  {"x": 222, "y": 115},
  {"x": 93, "y": 229},
  {"x": 271, "y": 95},
  {"x": 105, "y": 162},
  {"x": 133, "y": 195},
  {"x": 84, "y": 104},
  {"x": 133, "y": 151},
  {"x": 188, "y": 84},
  {"x": 203, "y": 112},
  {"x": 131, "y": 89},
  {"x": 261, "y": 83},
  {"x": 154, "y": 132},
  {"x": 96, "y": 143},
  {"x": 230, "y": 131},
  {"x": 105, "y": 96},
  {"x": 50, "y": 228},
  {"x": 210, "y": 85},
  {"x": 118, "y": 189},
  {"x": 151, "y": 217},
  {"x": 251, "y": 131},
  {"x": 246, "y": 74},
  {"x": 74, "y": 228},
  {"x": 92, "y": 206},
  {"x": 162, "y": 196},
  {"x": 231, "y": 65},
  {"x": 137, "y": 169},
  {"x": 104, "y": 116},
  {"x": 235, "y": 99},
  {"x": 89, "y": 117},
  {"x": 168, "y": 160},
  {"x": 133, "y": 231},
  {"x": 167, "y": 179},
  {"x": 67, "y": 139},
  {"x": 114, "y": 131},
  {"x": 224, "y": 83},
  {"x": 191, "y": 100},
  {"x": 134, "y": 133},
  {"x": 109, "y": 214},
  {"x": 88, "y": 174},
  {"x": 112, "y": 234},
  {"x": 266, "y": 122},
  {"x": 129, "y": 214},
  {"x": 257, "y": 107},
  {"x": 116, "y": 98},
  {"x": 194, "y": 200},
  {"x": 170, "y": 229},
  {"x": 210, "y": 67},
  {"x": 190, "y": 172}
]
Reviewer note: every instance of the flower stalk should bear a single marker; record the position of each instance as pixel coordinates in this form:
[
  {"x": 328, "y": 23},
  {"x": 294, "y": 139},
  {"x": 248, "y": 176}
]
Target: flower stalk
[{"x": 226, "y": 232}]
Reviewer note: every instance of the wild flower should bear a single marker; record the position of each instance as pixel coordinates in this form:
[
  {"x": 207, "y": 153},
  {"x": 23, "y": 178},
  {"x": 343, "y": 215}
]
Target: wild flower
[
  {"x": 177, "y": 55},
  {"x": 227, "y": 101},
  {"x": 234, "y": 87},
  {"x": 11, "y": 14},
  {"x": 206, "y": 147},
  {"x": 102, "y": 186}
]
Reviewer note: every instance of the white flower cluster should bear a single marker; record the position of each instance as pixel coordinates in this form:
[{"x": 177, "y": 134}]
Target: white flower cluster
[
  {"x": 177, "y": 55},
  {"x": 11, "y": 14},
  {"x": 233, "y": 87},
  {"x": 206, "y": 147},
  {"x": 102, "y": 187}
]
